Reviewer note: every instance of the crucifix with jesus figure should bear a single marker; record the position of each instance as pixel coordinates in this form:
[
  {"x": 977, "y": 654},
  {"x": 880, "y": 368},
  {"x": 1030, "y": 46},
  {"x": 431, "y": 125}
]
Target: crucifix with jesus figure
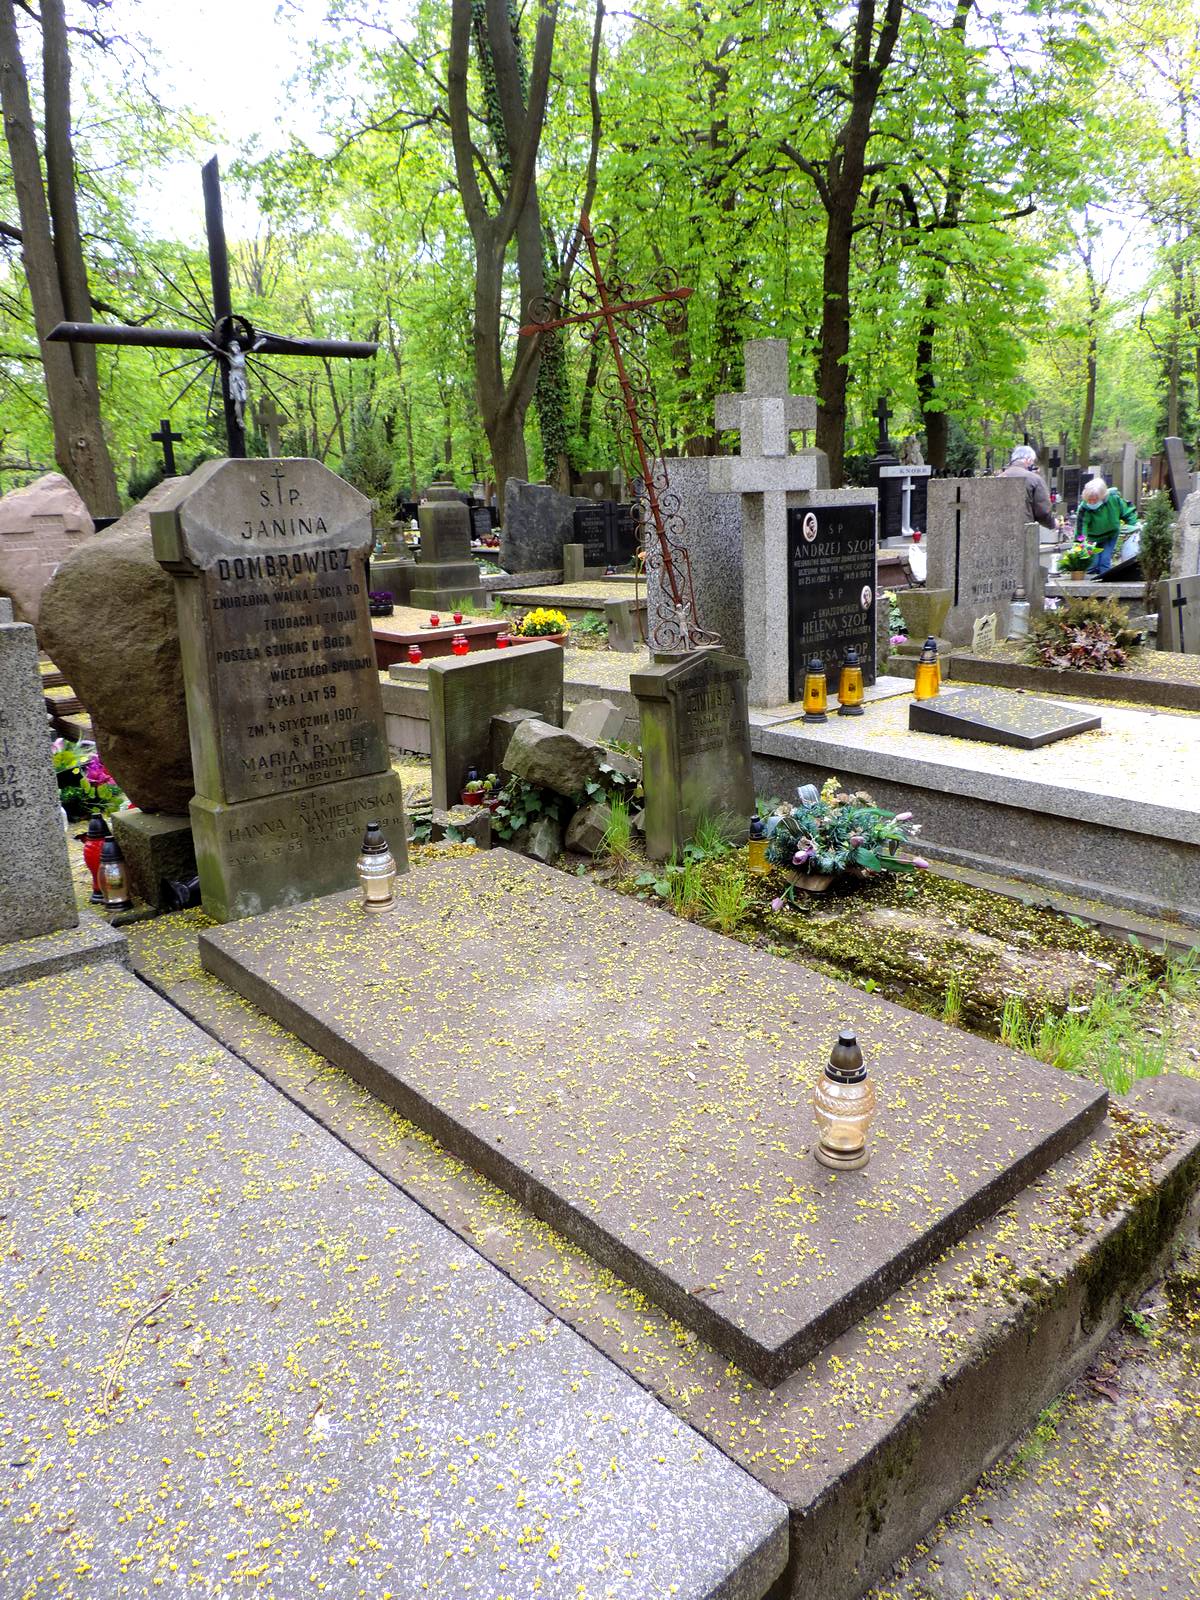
[{"x": 223, "y": 337}]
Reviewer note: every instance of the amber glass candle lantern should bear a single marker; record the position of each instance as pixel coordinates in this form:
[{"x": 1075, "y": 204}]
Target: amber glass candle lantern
[
  {"x": 844, "y": 1104},
  {"x": 816, "y": 694},
  {"x": 758, "y": 846},
  {"x": 850, "y": 686},
  {"x": 376, "y": 871},
  {"x": 929, "y": 672}
]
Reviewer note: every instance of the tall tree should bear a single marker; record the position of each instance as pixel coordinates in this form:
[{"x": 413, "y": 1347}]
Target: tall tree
[
  {"x": 52, "y": 250},
  {"x": 858, "y": 59}
]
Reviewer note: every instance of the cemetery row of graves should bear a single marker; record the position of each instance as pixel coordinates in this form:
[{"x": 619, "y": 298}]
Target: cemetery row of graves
[{"x": 627, "y": 1051}]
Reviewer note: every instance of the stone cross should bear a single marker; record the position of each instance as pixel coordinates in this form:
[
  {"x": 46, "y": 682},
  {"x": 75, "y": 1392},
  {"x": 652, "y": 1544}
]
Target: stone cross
[
  {"x": 883, "y": 415},
  {"x": 765, "y": 414},
  {"x": 765, "y": 473},
  {"x": 168, "y": 438},
  {"x": 270, "y": 420}
]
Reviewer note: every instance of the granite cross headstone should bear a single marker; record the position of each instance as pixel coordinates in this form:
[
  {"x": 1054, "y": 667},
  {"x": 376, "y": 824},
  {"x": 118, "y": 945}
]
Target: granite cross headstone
[
  {"x": 168, "y": 439},
  {"x": 284, "y": 712},
  {"x": 36, "y": 893}
]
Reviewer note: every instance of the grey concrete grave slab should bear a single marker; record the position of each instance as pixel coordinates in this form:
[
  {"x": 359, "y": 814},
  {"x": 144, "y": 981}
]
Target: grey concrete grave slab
[
  {"x": 994, "y": 716},
  {"x": 92, "y": 941},
  {"x": 596, "y": 1076},
  {"x": 249, "y": 1364}
]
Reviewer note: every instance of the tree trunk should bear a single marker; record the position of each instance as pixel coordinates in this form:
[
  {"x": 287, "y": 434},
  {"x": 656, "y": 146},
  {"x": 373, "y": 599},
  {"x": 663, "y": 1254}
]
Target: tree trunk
[
  {"x": 54, "y": 267},
  {"x": 832, "y": 376},
  {"x": 1089, "y": 402}
]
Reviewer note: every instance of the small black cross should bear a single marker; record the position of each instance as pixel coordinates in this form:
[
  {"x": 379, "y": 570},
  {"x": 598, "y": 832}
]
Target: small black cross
[
  {"x": 230, "y": 339},
  {"x": 883, "y": 415},
  {"x": 1055, "y": 461},
  {"x": 166, "y": 436},
  {"x": 1179, "y": 602}
]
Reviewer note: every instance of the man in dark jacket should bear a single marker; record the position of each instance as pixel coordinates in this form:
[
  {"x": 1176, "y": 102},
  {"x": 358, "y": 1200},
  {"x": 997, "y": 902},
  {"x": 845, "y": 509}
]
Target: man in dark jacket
[{"x": 1037, "y": 497}]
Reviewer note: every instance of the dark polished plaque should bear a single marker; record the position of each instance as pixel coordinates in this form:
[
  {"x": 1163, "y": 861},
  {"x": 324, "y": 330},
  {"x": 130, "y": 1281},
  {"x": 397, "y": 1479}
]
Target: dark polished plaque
[
  {"x": 608, "y": 533},
  {"x": 831, "y": 590}
]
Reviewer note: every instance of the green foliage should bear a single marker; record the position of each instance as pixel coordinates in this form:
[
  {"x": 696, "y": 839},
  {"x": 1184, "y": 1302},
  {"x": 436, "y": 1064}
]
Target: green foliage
[
  {"x": 368, "y": 464},
  {"x": 522, "y": 803},
  {"x": 678, "y": 883},
  {"x": 1077, "y": 557},
  {"x": 618, "y": 830},
  {"x": 725, "y": 897},
  {"x": 591, "y": 626},
  {"x": 1085, "y": 635},
  {"x": 1158, "y": 541}
]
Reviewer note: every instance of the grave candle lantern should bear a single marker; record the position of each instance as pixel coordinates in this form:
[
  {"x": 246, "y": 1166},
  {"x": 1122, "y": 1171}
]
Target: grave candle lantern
[
  {"x": 414, "y": 653},
  {"x": 850, "y": 686},
  {"x": 929, "y": 673},
  {"x": 815, "y": 692},
  {"x": 460, "y": 645},
  {"x": 376, "y": 868},
  {"x": 758, "y": 847},
  {"x": 458, "y": 616},
  {"x": 97, "y": 832},
  {"x": 435, "y": 620},
  {"x": 844, "y": 1105},
  {"x": 503, "y": 641},
  {"x": 114, "y": 881}
]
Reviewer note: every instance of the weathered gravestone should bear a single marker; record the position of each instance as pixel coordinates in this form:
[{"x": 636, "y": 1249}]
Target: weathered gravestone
[
  {"x": 40, "y": 525},
  {"x": 1185, "y": 551},
  {"x": 466, "y": 692},
  {"x": 696, "y": 760},
  {"x": 997, "y": 716},
  {"x": 538, "y": 521},
  {"x": 445, "y": 572},
  {"x": 977, "y": 549},
  {"x": 1179, "y": 615},
  {"x": 1128, "y": 480},
  {"x": 284, "y": 712},
  {"x": 1179, "y": 471},
  {"x": 36, "y": 893}
]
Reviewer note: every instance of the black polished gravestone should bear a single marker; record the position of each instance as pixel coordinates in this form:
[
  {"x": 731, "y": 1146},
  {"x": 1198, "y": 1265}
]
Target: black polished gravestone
[
  {"x": 998, "y": 716},
  {"x": 483, "y": 520},
  {"x": 1179, "y": 470},
  {"x": 608, "y": 533},
  {"x": 831, "y": 589}
]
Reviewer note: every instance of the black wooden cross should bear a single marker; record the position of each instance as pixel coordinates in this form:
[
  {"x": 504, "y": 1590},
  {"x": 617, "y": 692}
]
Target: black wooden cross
[
  {"x": 1178, "y": 604},
  {"x": 166, "y": 436},
  {"x": 883, "y": 415},
  {"x": 229, "y": 340}
]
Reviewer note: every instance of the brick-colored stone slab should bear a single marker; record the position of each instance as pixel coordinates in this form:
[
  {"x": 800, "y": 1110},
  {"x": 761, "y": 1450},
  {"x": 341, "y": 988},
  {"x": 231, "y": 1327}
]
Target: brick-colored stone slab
[
  {"x": 643, "y": 1084},
  {"x": 238, "y": 1362}
]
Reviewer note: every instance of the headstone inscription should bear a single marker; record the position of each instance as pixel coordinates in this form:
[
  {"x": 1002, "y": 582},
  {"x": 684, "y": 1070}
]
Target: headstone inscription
[
  {"x": 831, "y": 589},
  {"x": 696, "y": 761},
  {"x": 285, "y": 718},
  {"x": 976, "y": 549},
  {"x": 36, "y": 893},
  {"x": 1179, "y": 615},
  {"x": 1179, "y": 471},
  {"x": 998, "y": 716}
]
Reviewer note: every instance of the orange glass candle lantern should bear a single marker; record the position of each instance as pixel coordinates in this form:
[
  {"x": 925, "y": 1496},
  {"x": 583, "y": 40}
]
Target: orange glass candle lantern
[
  {"x": 850, "y": 686},
  {"x": 816, "y": 693},
  {"x": 757, "y": 862},
  {"x": 929, "y": 672}
]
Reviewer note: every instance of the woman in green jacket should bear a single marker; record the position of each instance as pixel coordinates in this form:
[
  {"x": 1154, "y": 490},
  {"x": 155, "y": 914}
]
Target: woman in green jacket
[{"x": 1102, "y": 514}]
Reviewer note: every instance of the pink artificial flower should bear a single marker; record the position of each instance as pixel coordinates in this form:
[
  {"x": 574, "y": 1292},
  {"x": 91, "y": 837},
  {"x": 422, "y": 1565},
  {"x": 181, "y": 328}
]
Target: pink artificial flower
[
  {"x": 801, "y": 857},
  {"x": 919, "y": 861},
  {"x": 777, "y": 905},
  {"x": 898, "y": 638},
  {"x": 95, "y": 771},
  {"x": 902, "y": 816}
]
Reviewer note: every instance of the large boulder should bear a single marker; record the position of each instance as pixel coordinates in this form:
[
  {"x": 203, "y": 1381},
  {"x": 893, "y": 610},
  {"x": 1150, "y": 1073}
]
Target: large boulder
[
  {"x": 565, "y": 762},
  {"x": 108, "y": 623},
  {"x": 538, "y": 521},
  {"x": 40, "y": 526}
]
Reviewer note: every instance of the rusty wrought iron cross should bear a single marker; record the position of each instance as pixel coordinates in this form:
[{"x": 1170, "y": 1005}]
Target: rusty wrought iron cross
[
  {"x": 683, "y": 631},
  {"x": 229, "y": 341}
]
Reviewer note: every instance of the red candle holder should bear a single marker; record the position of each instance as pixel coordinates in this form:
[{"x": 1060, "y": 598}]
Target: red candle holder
[
  {"x": 414, "y": 653},
  {"x": 503, "y": 642},
  {"x": 96, "y": 834},
  {"x": 460, "y": 645},
  {"x": 434, "y": 620},
  {"x": 458, "y": 616}
]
